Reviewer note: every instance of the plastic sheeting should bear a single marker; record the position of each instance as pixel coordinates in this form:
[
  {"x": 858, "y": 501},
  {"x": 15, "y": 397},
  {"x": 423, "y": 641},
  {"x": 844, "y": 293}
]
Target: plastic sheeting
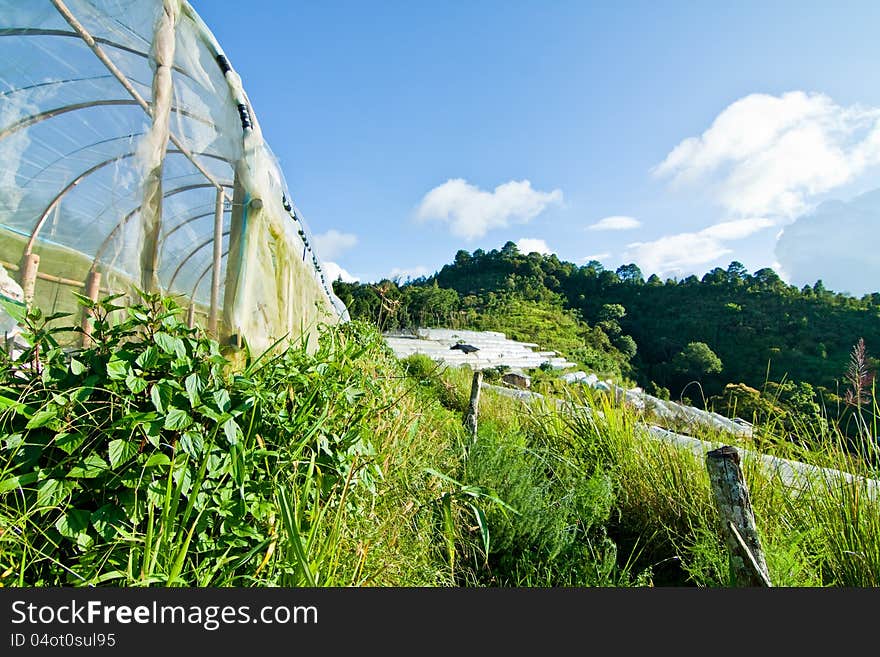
[{"x": 121, "y": 123}]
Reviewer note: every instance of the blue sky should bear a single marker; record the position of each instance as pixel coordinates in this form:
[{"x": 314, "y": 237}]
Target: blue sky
[{"x": 679, "y": 136}]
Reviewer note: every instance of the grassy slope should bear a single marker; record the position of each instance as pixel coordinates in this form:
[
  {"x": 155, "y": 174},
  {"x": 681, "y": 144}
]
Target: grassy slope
[{"x": 562, "y": 500}]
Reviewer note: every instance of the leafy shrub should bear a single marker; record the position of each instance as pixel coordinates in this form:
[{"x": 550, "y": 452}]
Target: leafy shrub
[{"x": 143, "y": 459}]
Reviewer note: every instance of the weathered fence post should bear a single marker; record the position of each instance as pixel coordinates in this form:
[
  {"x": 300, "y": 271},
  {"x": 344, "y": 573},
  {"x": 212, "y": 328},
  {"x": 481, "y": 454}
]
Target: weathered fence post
[
  {"x": 93, "y": 289},
  {"x": 470, "y": 418},
  {"x": 731, "y": 495}
]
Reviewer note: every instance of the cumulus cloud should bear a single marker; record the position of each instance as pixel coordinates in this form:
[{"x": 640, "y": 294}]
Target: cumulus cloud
[
  {"x": 471, "y": 212},
  {"x": 404, "y": 273},
  {"x": 334, "y": 243},
  {"x": 615, "y": 223},
  {"x": 528, "y": 245},
  {"x": 837, "y": 242},
  {"x": 773, "y": 155},
  {"x": 684, "y": 252},
  {"x": 334, "y": 272}
]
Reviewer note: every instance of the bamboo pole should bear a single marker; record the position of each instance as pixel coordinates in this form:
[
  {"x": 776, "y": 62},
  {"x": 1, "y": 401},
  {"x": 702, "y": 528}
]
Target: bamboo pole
[
  {"x": 30, "y": 264},
  {"x": 747, "y": 563},
  {"x": 470, "y": 418},
  {"x": 214, "y": 312},
  {"x": 93, "y": 286}
]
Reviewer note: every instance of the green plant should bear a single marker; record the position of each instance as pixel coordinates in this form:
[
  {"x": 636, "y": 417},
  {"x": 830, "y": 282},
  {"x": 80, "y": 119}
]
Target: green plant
[{"x": 145, "y": 458}]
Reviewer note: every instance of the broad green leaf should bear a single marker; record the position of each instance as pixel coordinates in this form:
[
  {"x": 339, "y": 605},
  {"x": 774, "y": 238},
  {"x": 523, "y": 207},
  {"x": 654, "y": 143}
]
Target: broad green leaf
[
  {"x": 16, "y": 309},
  {"x": 69, "y": 442},
  {"x": 17, "y": 406},
  {"x": 50, "y": 492},
  {"x": 76, "y": 367},
  {"x": 14, "y": 441},
  {"x": 191, "y": 442},
  {"x": 148, "y": 359},
  {"x": 17, "y": 482},
  {"x": 221, "y": 398},
  {"x": 170, "y": 345},
  {"x": 153, "y": 431},
  {"x": 72, "y": 523},
  {"x": 156, "y": 397},
  {"x": 194, "y": 387},
  {"x": 177, "y": 419},
  {"x": 157, "y": 459},
  {"x": 183, "y": 476},
  {"x": 89, "y": 468},
  {"x": 120, "y": 451},
  {"x": 117, "y": 369},
  {"x": 106, "y": 520},
  {"x": 230, "y": 428},
  {"x": 156, "y": 493},
  {"x": 135, "y": 383},
  {"x": 42, "y": 418}
]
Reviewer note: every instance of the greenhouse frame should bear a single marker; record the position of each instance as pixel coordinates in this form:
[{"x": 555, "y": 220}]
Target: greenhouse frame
[{"x": 131, "y": 159}]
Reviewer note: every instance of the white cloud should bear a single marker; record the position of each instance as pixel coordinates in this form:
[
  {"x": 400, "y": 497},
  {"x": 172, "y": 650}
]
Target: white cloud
[
  {"x": 737, "y": 229},
  {"x": 773, "y": 155},
  {"x": 404, "y": 273},
  {"x": 472, "y": 212},
  {"x": 596, "y": 256},
  {"x": 333, "y": 243},
  {"x": 615, "y": 223},
  {"x": 682, "y": 253},
  {"x": 528, "y": 245},
  {"x": 837, "y": 243},
  {"x": 333, "y": 272}
]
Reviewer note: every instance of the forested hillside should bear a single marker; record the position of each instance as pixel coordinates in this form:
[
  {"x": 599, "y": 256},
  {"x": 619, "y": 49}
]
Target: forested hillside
[{"x": 735, "y": 332}]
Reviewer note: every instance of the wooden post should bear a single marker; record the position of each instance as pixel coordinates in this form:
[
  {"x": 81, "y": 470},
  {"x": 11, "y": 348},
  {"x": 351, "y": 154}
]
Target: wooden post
[
  {"x": 191, "y": 316},
  {"x": 214, "y": 307},
  {"x": 93, "y": 286},
  {"x": 731, "y": 494},
  {"x": 30, "y": 264},
  {"x": 470, "y": 419}
]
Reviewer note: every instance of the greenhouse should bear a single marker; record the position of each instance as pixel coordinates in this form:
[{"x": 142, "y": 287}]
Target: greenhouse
[{"x": 133, "y": 160}]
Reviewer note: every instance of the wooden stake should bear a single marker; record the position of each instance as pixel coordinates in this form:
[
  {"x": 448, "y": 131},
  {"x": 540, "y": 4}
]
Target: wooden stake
[
  {"x": 731, "y": 494},
  {"x": 30, "y": 263},
  {"x": 470, "y": 418},
  {"x": 93, "y": 286},
  {"x": 191, "y": 316}
]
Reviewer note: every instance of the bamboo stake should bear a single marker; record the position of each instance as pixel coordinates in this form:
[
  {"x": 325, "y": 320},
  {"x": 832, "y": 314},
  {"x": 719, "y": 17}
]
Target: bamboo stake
[
  {"x": 30, "y": 264},
  {"x": 93, "y": 286}
]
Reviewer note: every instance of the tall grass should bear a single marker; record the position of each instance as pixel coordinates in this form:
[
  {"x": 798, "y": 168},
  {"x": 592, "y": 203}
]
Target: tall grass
[{"x": 824, "y": 533}]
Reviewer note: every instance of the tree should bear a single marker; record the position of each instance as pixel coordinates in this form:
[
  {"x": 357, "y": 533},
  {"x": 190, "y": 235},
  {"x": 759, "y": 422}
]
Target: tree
[
  {"x": 767, "y": 279},
  {"x": 697, "y": 359},
  {"x": 509, "y": 249},
  {"x": 630, "y": 273},
  {"x": 626, "y": 345},
  {"x": 736, "y": 272},
  {"x": 715, "y": 277},
  {"x": 612, "y": 312}
]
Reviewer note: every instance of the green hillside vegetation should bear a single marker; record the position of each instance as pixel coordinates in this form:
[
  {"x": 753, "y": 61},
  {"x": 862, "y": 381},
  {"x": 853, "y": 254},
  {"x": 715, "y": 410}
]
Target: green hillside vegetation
[
  {"x": 722, "y": 341},
  {"x": 148, "y": 459}
]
